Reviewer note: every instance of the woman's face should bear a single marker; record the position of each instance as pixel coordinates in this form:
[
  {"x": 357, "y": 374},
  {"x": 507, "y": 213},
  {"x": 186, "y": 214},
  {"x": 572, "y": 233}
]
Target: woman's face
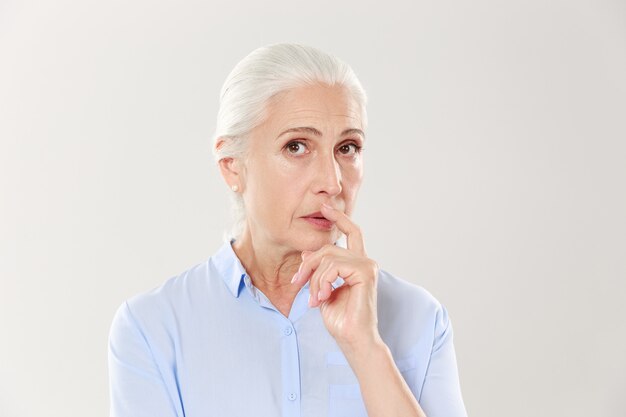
[{"x": 306, "y": 153}]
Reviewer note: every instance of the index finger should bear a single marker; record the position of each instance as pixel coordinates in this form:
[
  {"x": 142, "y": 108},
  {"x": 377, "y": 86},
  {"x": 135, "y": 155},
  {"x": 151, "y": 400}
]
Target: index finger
[{"x": 353, "y": 233}]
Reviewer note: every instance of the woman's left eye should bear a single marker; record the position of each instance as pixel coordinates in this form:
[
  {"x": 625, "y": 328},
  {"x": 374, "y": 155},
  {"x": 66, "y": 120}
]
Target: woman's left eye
[{"x": 350, "y": 149}]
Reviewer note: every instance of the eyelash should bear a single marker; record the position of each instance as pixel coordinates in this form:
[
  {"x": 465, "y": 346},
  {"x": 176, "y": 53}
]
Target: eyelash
[{"x": 357, "y": 148}]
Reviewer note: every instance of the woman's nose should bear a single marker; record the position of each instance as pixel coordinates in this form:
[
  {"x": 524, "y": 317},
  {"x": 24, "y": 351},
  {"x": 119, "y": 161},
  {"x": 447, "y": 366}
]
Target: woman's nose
[{"x": 328, "y": 176}]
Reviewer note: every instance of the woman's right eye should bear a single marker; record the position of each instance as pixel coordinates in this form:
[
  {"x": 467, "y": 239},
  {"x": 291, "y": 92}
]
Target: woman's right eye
[{"x": 296, "y": 147}]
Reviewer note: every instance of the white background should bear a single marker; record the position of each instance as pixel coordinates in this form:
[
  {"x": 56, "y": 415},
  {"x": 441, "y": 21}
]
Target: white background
[{"x": 495, "y": 178}]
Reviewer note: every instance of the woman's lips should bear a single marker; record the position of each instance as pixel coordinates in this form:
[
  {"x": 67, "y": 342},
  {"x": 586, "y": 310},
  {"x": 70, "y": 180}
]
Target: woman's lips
[{"x": 319, "y": 221}]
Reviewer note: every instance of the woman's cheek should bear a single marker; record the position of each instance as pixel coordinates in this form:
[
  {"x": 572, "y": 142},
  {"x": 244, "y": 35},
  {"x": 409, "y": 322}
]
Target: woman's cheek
[{"x": 288, "y": 164}]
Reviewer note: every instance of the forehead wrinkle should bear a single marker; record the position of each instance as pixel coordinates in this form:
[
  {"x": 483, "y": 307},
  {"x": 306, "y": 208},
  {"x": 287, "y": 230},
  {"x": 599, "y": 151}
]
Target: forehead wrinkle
[
  {"x": 313, "y": 118},
  {"x": 306, "y": 129},
  {"x": 291, "y": 114},
  {"x": 312, "y": 125}
]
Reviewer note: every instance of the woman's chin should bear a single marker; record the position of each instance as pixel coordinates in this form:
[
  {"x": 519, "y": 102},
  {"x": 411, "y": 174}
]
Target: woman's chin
[{"x": 314, "y": 241}]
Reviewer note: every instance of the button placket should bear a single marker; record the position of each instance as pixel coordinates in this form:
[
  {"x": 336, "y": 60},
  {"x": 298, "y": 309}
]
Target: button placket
[{"x": 291, "y": 369}]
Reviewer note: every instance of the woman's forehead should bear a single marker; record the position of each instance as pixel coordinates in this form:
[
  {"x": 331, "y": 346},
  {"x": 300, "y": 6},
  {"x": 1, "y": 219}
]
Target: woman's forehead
[{"x": 318, "y": 107}]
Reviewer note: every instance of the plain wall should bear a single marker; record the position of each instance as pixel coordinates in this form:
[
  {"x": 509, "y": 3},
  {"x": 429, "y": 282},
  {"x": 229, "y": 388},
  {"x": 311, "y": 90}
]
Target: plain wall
[{"x": 495, "y": 177}]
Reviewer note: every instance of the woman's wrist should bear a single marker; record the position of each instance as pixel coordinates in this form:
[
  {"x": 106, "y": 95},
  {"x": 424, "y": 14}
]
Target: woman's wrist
[
  {"x": 383, "y": 388},
  {"x": 359, "y": 353}
]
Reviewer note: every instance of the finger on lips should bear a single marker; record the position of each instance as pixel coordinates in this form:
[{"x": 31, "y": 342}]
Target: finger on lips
[
  {"x": 347, "y": 226},
  {"x": 320, "y": 276}
]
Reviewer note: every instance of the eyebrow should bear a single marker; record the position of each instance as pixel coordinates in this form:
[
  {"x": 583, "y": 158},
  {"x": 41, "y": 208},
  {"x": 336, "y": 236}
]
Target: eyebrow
[{"x": 314, "y": 131}]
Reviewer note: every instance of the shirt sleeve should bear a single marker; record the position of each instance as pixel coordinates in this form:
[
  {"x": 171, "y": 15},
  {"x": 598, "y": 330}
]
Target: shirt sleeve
[
  {"x": 136, "y": 385},
  {"x": 441, "y": 391}
]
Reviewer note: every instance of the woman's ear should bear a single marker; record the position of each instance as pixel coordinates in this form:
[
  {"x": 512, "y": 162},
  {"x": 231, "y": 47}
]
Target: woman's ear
[
  {"x": 232, "y": 169},
  {"x": 232, "y": 173}
]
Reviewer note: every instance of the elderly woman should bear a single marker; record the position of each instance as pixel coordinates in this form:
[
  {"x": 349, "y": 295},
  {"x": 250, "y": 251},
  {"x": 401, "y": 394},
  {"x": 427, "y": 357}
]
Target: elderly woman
[{"x": 282, "y": 320}]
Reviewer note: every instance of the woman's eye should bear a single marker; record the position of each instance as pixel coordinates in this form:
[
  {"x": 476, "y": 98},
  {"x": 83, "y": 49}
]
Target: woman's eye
[
  {"x": 296, "y": 148},
  {"x": 350, "y": 149}
]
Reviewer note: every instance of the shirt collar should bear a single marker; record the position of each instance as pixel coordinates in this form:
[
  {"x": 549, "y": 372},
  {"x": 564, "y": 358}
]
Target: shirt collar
[
  {"x": 233, "y": 272},
  {"x": 230, "y": 267}
]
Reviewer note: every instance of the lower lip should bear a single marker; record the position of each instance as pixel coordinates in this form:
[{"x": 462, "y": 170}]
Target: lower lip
[{"x": 320, "y": 223}]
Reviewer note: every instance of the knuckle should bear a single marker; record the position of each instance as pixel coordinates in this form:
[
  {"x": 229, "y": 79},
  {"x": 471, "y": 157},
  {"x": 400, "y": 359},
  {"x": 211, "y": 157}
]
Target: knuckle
[{"x": 326, "y": 261}]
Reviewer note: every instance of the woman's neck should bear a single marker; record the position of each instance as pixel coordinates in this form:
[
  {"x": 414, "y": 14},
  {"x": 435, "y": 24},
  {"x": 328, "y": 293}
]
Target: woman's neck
[{"x": 269, "y": 266}]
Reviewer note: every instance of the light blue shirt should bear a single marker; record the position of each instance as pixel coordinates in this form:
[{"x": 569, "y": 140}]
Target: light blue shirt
[{"x": 208, "y": 343}]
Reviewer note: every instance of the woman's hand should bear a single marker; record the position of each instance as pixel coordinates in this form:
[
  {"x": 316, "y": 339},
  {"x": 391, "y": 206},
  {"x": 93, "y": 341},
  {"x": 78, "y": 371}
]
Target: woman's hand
[{"x": 349, "y": 311}]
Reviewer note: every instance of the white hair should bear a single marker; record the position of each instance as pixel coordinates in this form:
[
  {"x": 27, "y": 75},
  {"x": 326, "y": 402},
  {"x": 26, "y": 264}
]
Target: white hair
[{"x": 257, "y": 78}]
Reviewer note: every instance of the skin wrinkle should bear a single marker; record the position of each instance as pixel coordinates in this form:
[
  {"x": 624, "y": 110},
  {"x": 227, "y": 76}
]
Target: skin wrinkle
[
  {"x": 279, "y": 188},
  {"x": 318, "y": 133}
]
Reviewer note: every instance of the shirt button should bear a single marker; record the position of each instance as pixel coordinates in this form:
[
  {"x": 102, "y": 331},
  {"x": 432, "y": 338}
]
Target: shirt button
[
  {"x": 288, "y": 331},
  {"x": 292, "y": 396}
]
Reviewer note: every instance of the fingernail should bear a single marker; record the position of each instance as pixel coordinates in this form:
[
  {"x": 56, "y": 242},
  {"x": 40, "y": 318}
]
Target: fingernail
[
  {"x": 327, "y": 206},
  {"x": 309, "y": 300},
  {"x": 319, "y": 295},
  {"x": 295, "y": 277}
]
